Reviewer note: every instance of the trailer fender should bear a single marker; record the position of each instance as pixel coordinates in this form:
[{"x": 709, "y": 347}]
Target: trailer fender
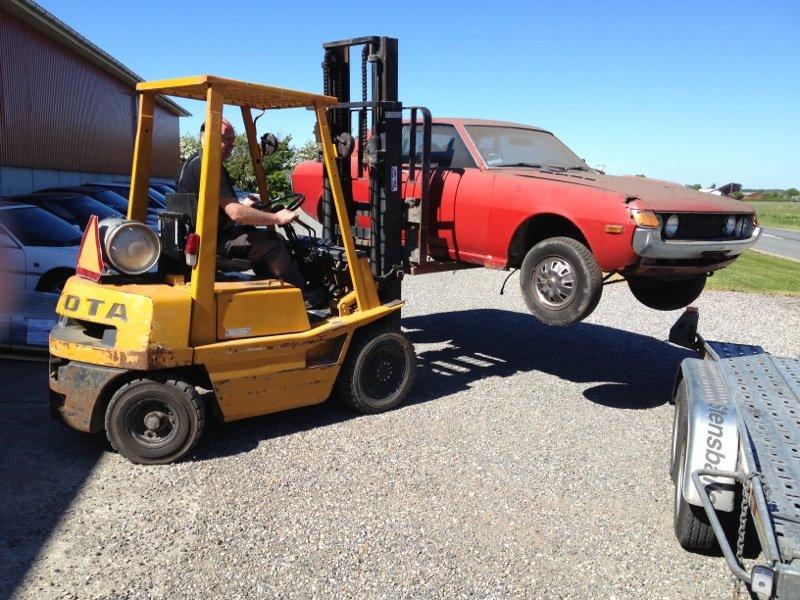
[{"x": 712, "y": 439}]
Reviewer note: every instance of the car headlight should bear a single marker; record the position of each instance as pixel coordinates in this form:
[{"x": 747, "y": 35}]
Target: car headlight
[
  {"x": 740, "y": 225},
  {"x": 730, "y": 225},
  {"x": 130, "y": 247},
  {"x": 671, "y": 226},
  {"x": 749, "y": 226}
]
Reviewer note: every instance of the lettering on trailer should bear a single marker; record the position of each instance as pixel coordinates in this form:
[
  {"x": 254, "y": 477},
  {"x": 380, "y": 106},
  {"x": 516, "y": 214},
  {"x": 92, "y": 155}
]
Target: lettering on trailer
[
  {"x": 717, "y": 411},
  {"x": 115, "y": 311}
]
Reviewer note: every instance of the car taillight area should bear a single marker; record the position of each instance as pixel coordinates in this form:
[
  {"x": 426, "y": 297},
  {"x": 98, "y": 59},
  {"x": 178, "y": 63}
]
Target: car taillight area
[{"x": 705, "y": 226}]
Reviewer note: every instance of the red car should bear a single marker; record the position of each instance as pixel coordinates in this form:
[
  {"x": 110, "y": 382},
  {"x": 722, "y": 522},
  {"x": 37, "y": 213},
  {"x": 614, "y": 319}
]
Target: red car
[{"x": 505, "y": 195}]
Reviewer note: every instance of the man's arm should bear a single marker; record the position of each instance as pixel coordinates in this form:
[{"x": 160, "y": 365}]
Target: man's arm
[{"x": 252, "y": 216}]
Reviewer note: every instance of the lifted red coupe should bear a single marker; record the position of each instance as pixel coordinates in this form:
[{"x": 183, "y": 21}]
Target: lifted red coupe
[{"x": 505, "y": 195}]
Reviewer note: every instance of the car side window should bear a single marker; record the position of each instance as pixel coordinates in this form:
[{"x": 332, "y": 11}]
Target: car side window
[
  {"x": 6, "y": 241},
  {"x": 448, "y": 150}
]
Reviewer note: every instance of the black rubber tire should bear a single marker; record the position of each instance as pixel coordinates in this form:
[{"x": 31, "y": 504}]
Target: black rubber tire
[
  {"x": 667, "y": 295},
  {"x": 53, "y": 281},
  {"x": 587, "y": 287},
  {"x": 376, "y": 346},
  {"x": 179, "y": 397},
  {"x": 692, "y": 528}
]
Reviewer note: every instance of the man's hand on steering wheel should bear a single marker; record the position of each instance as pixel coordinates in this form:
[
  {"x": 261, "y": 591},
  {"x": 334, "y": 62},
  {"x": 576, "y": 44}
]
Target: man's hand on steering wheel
[{"x": 284, "y": 216}]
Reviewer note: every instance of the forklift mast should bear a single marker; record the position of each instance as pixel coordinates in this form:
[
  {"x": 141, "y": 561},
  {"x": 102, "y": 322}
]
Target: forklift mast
[{"x": 378, "y": 112}]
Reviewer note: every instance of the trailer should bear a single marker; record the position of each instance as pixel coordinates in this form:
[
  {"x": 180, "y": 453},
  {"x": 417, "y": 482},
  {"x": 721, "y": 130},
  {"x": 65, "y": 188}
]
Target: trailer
[{"x": 735, "y": 458}]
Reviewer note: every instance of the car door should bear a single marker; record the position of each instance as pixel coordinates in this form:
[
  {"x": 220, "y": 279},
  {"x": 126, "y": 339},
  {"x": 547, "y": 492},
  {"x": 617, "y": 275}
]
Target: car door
[
  {"x": 459, "y": 197},
  {"x": 12, "y": 261}
]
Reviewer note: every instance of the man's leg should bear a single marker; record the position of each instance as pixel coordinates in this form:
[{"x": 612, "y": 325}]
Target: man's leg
[{"x": 261, "y": 247}]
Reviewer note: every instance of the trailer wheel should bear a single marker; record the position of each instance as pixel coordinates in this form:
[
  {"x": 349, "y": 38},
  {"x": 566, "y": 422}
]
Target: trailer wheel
[
  {"x": 561, "y": 281},
  {"x": 692, "y": 528},
  {"x": 378, "y": 371},
  {"x": 153, "y": 422},
  {"x": 667, "y": 295}
]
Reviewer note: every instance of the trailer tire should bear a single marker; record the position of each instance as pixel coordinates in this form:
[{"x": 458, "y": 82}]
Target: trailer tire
[
  {"x": 378, "y": 371},
  {"x": 692, "y": 528},
  {"x": 154, "y": 422},
  {"x": 561, "y": 281}
]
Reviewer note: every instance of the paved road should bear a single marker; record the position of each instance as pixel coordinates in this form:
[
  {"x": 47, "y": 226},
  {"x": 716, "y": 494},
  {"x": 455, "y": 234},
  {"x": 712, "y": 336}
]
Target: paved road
[
  {"x": 530, "y": 462},
  {"x": 784, "y": 242}
]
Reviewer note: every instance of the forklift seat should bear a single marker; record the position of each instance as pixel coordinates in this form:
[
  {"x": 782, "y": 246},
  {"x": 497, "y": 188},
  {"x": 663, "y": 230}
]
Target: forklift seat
[{"x": 175, "y": 224}]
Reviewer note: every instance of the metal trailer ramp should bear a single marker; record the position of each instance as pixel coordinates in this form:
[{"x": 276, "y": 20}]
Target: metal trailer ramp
[{"x": 765, "y": 391}]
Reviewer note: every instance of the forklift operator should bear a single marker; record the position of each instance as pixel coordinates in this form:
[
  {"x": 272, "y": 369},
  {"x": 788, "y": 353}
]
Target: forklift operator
[{"x": 237, "y": 236}]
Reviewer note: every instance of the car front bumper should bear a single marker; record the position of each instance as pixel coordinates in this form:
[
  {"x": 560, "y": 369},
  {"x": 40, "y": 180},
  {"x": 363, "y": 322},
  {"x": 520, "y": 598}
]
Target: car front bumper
[{"x": 647, "y": 243}]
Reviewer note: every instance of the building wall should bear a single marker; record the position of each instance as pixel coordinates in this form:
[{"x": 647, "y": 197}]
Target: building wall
[{"x": 60, "y": 112}]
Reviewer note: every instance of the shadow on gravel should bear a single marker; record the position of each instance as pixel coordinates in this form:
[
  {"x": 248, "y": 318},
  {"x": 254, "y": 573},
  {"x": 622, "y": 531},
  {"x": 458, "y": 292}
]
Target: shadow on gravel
[
  {"x": 630, "y": 371},
  {"x": 43, "y": 466}
]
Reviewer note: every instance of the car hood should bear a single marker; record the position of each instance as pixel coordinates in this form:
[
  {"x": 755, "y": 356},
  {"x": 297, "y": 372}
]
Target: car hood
[{"x": 661, "y": 196}]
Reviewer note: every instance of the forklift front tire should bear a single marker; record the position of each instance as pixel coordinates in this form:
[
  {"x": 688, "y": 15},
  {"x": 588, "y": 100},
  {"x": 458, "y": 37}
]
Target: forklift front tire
[
  {"x": 154, "y": 422},
  {"x": 378, "y": 371}
]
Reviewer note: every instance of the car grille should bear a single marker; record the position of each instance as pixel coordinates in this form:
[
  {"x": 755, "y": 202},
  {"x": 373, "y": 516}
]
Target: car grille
[{"x": 694, "y": 226}]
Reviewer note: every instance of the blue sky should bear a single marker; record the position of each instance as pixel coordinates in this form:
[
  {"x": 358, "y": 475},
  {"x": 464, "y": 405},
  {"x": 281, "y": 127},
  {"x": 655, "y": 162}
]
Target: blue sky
[{"x": 695, "y": 92}]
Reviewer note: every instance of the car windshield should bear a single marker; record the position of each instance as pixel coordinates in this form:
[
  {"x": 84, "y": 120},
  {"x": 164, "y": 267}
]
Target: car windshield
[
  {"x": 78, "y": 209},
  {"x": 502, "y": 146},
  {"x": 37, "y": 227},
  {"x": 111, "y": 199}
]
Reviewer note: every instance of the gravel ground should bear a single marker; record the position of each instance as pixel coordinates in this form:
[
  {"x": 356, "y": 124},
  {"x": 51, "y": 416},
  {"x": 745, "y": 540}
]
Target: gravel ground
[{"x": 530, "y": 462}]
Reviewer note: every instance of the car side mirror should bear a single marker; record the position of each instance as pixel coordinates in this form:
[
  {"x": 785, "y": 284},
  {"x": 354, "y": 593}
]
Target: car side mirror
[{"x": 269, "y": 144}]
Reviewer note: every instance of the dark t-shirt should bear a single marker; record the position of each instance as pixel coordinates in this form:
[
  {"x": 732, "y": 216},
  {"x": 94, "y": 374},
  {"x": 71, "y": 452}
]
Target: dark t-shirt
[{"x": 188, "y": 182}]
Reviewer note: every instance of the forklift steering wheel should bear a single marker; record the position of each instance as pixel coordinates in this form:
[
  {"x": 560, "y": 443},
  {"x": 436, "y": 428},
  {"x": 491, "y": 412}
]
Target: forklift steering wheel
[
  {"x": 295, "y": 202},
  {"x": 291, "y": 201}
]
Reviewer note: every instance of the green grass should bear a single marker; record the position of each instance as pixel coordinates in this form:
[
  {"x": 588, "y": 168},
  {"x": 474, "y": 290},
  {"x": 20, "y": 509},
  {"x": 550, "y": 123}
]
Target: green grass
[
  {"x": 784, "y": 215},
  {"x": 757, "y": 272}
]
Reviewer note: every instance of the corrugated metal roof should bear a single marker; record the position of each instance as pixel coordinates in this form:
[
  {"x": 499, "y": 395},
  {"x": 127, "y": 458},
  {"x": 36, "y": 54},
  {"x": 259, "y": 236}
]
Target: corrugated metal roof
[{"x": 37, "y": 17}]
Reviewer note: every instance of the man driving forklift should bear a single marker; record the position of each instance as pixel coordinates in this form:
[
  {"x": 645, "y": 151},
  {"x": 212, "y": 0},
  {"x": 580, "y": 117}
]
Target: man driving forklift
[{"x": 237, "y": 236}]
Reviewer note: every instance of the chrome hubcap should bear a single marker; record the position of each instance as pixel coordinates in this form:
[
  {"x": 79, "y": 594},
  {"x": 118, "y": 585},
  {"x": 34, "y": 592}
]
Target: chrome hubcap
[{"x": 554, "y": 280}]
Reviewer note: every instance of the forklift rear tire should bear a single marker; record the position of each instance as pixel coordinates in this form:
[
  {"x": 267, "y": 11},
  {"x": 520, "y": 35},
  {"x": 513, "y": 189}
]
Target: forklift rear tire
[
  {"x": 378, "y": 371},
  {"x": 154, "y": 422},
  {"x": 692, "y": 528}
]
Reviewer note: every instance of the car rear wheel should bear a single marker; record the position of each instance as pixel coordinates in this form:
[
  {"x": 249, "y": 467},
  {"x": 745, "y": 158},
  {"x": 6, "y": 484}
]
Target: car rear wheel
[
  {"x": 561, "y": 281},
  {"x": 667, "y": 295}
]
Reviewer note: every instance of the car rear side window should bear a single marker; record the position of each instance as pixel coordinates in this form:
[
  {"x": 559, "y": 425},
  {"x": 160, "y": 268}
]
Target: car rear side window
[
  {"x": 448, "y": 150},
  {"x": 37, "y": 227}
]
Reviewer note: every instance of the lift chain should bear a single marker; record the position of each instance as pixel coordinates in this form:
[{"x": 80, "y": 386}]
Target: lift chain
[{"x": 747, "y": 483}]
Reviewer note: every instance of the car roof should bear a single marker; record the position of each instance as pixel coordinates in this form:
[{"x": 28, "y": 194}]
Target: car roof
[
  {"x": 486, "y": 122},
  {"x": 6, "y": 205}
]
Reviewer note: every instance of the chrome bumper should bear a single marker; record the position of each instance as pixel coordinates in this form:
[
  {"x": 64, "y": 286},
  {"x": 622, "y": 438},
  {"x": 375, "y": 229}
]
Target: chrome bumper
[{"x": 648, "y": 243}]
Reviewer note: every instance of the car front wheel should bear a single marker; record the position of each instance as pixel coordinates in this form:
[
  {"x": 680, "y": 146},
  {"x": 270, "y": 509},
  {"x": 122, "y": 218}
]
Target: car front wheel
[
  {"x": 561, "y": 281},
  {"x": 667, "y": 295}
]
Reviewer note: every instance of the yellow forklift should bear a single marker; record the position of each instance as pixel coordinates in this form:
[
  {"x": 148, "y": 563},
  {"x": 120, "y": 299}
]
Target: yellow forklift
[{"x": 147, "y": 345}]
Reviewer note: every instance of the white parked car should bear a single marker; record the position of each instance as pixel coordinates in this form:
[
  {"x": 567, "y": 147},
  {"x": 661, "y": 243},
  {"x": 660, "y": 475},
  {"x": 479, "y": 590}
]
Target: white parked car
[{"x": 38, "y": 250}]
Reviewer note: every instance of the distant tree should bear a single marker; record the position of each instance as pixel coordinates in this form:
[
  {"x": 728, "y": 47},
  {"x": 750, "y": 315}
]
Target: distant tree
[
  {"x": 308, "y": 151},
  {"x": 189, "y": 145},
  {"x": 694, "y": 186},
  {"x": 738, "y": 195},
  {"x": 277, "y": 167},
  {"x": 641, "y": 175},
  {"x": 792, "y": 192}
]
